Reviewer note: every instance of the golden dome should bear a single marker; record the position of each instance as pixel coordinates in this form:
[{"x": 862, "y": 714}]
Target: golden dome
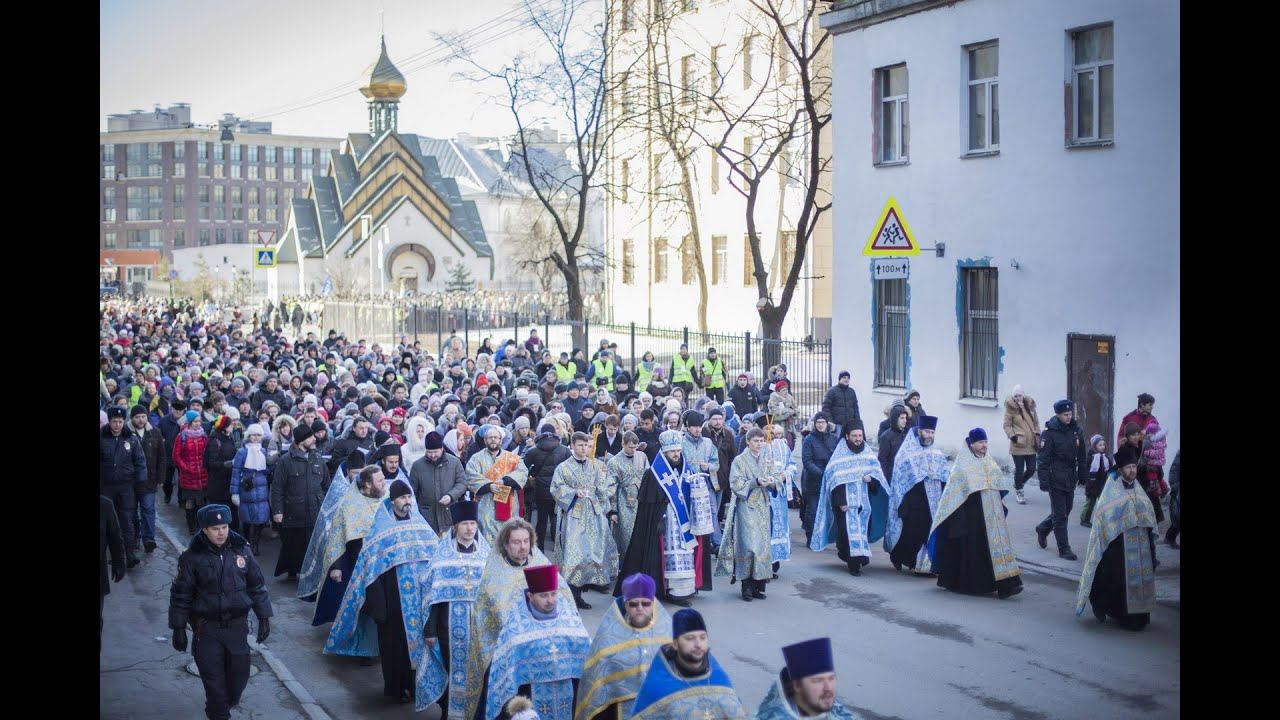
[{"x": 385, "y": 82}]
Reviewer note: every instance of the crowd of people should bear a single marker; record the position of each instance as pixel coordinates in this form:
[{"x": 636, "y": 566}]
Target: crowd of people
[{"x": 448, "y": 515}]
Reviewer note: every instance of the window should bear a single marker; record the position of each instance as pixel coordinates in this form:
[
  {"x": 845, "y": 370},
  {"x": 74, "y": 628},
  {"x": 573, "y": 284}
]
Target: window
[
  {"x": 625, "y": 180},
  {"x": 688, "y": 260},
  {"x": 219, "y": 151},
  {"x": 628, "y": 105},
  {"x": 306, "y": 174},
  {"x": 252, "y": 196},
  {"x": 237, "y": 195},
  {"x": 892, "y": 313},
  {"x": 748, "y": 148},
  {"x": 271, "y": 195},
  {"x": 628, "y": 14},
  {"x": 179, "y": 194},
  {"x": 786, "y": 251},
  {"x": 179, "y": 150},
  {"x": 979, "y": 340},
  {"x": 202, "y": 150},
  {"x": 719, "y": 259},
  {"x": 204, "y": 237},
  {"x": 109, "y": 196},
  {"x": 220, "y": 236},
  {"x": 715, "y": 171},
  {"x": 782, "y": 52},
  {"x": 220, "y": 212},
  {"x": 1093, "y": 84},
  {"x": 236, "y": 152},
  {"x": 983, "y": 63},
  {"x": 253, "y": 172},
  {"x": 155, "y": 170},
  {"x": 270, "y": 172},
  {"x": 180, "y": 169},
  {"x": 235, "y": 172},
  {"x": 253, "y": 153},
  {"x": 271, "y": 214},
  {"x": 109, "y": 171},
  {"x": 109, "y": 215},
  {"x": 288, "y": 173},
  {"x": 688, "y": 79},
  {"x": 253, "y": 213},
  {"x": 237, "y": 236},
  {"x": 109, "y": 240},
  {"x": 219, "y": 194},
  {"x": 108, "y": 152},
  {"x": 271, "y": 153},
  {"x": 748, "y": 51},
  {"x": 322, "y": 159},
  {"x": 717, "y": 67},
  {"x": 748, "y": 266},
  {"x": 628, "y": 262},
  {"x": 237, "y": 213},
  {"x": 179, "y": 238},
  {"x": 289, "y": 155},
  {"x": 134, "y": 170},
  {"x": 153, "y": 151},
  {"x": 135, "y": 274},
  {"x": 179, "y": 212},
  {"x": 892, "y": 127},
  {"x": 660, "y": 260},
  {"x": 306, "y": 156},
  {"x": 204, "y": 212},
  {"x": 219, "y": 171}
]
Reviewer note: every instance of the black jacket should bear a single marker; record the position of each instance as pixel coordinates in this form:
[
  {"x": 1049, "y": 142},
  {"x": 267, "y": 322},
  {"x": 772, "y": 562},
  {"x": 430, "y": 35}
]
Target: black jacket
[
  {"x": 218, "y": 455},
  {"x": 890, "y": 440},
  {"x": 156, "y": 452},
  {"x": 1062, "y": 462},
  {"x": 745, "y": 400},
  {"x": 604, "y": 446},
  {"x": 261, "y": 395},
  {"x": 342, "y": 447},
  {"x": 541, "y": 460},
  {"x": 298, "y": 485},
  {"x": 650, "y": 438},
  {"x": 217, "y": 583},
  {"x": 841, "y": 403},
  {"x": 109, "y": 538},
  {"x": 816, "y": 451},
  {"x": 120, "y": 459}
]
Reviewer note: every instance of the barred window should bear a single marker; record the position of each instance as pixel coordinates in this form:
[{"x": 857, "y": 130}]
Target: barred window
[
  {"x": 891, "y": 331},
  {"x": 979, "y": 342}
]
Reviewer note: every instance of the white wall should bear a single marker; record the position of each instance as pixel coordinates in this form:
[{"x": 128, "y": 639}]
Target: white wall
[
  {"x": 223, "y": 261},
  {"x": 1096, "y": 231}
]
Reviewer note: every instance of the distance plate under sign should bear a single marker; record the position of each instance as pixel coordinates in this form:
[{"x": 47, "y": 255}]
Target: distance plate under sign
[{"x": 891, "y": 268}]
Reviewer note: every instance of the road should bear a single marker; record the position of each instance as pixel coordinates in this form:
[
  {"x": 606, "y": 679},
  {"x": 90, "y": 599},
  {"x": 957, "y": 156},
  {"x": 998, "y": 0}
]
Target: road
[{"x": 905, "y": 648}]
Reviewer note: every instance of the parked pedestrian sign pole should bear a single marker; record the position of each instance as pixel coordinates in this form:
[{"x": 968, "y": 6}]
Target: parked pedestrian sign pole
[{"x": 891, "y": 236}]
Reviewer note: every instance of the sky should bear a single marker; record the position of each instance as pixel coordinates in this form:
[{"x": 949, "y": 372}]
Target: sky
[{"x": 255, "y": 58}]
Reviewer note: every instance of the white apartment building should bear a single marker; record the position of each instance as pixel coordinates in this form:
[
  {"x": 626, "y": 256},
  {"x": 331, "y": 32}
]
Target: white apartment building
[
  {"x": 1032, "y": 146},
  {"x": 703, "y": 48}
]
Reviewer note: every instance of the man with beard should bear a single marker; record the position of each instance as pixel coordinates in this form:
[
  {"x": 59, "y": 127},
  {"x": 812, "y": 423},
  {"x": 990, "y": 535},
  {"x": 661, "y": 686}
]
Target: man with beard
[
  {"x": 542, "y": 460},
  {"x": 721, "y": 436},
  {"x": 343, "y": 537},
  {"x": 298, "y": 487},
  {"x": 746, "y": 553},
  {"x": 969, "y": 545},
  {"x": 649, "y": 434},
  {"x": 626, "y": 474},
  {"x": 806, "y": 687},
  {"x": 784, "y": 461},
  {"x": 702, "y": 496},
  {"x": 633, "y": 629},
  {"x": 1119, "y": 578},
  {"x": 388, "y": 584},
  {"x": 662, "y": 544},
  {"x": 587, "y": 551},
  {"x": 496, "y": 479},
  {"x": 1061, "y": 465},
  {"x": 357, "y": 437},
  {"x": 920, "y": 471},
  {"x": 815, "y": 453},
  {"x": 453, "y": 582},
  {"x": 845, "y": 509},
  {"x": 438, "y": 482},
  {"x": 501, "y": 588},
  {"x": 387, "y": 457},
  {"x": 684, "y": 680}
]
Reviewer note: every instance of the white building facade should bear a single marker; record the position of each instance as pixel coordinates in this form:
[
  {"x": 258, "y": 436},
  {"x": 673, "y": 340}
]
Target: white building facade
[{"x": 1032, "y": 147}]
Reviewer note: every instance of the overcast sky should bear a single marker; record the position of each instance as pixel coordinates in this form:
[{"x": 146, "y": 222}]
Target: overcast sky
[{"x": 255, "y": 58}]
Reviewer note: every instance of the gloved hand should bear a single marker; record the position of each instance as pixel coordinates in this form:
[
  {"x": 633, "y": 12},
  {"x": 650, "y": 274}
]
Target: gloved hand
[
  {"x": 117, "y": 572},
  {"x": 235, "y": 500},
  {"x": 264, "y": 629},
  {"x": 180, "y": 639}
]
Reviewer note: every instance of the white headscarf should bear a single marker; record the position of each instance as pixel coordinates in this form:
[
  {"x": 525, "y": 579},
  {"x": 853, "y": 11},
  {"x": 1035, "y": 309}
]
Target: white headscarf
[{"x": 254, "y": 457}]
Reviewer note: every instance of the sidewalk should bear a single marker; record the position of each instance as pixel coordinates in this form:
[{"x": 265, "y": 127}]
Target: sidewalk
[
  {"x": 143, "y": 678},
  {"x": 1024, "y": 518}
]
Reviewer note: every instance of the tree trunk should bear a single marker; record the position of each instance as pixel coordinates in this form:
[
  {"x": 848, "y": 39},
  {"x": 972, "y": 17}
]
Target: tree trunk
[
  {"x": 695, "y": 237},
  {"x": 571, "y": 281},
  {"x": 771, "y": 334}
]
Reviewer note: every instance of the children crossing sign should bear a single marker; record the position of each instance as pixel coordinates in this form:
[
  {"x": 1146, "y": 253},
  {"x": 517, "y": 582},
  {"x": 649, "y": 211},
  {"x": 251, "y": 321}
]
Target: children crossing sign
[
  {"x": 266, "y": 258},
  {"x": 891, "y": 235}
]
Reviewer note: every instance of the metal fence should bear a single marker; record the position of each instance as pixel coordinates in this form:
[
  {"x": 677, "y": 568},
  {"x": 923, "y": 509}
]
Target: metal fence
[{"x": 808, "y": 364}]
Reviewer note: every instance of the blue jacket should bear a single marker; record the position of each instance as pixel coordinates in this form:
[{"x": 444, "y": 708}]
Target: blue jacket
[{"x": 254, "y": 503}]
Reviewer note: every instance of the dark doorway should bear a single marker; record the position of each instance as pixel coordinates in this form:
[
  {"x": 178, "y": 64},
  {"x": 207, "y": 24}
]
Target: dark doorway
[{"x": 1091, "y": 378}]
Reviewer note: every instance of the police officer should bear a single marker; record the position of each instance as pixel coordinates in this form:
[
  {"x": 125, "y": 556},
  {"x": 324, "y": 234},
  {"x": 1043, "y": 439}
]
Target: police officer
[{"x": 218, "y": 582}]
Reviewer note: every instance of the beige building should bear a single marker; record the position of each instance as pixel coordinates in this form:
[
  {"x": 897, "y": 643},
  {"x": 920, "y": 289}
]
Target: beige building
[{"x": 681, "y": 70}]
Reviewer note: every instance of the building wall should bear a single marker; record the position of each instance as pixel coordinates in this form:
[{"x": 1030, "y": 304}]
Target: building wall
[
  {"x": 222, "y": 263},
  {"x": 1095, "y": 232}
]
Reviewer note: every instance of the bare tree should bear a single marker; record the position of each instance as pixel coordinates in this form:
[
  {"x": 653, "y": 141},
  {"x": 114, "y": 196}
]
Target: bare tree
[
  {"x": 785, "y": 116},
  {"x": 532, "y": 235},
  {"x": 565, "y": 77}
]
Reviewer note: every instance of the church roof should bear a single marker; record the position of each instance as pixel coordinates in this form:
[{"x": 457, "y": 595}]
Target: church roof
[{"x": 386, "y": 82}]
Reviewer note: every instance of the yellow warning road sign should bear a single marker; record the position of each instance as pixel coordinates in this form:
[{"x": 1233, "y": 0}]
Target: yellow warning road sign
[{"x": 891, "y": 235}]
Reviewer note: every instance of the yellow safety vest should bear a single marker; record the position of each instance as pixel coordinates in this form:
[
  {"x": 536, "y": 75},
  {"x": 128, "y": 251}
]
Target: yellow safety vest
[
  {"x": 682, "y": 369},
  {"x": 713, "y": 374},
  {"x": 603, "y": 371},
  {"x": 565, "y": 374},
  {"x": 642, "y": 378}
]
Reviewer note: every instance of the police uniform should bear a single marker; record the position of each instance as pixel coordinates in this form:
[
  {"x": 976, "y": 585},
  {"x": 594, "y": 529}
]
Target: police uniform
[{"x": 214, "y": 591}]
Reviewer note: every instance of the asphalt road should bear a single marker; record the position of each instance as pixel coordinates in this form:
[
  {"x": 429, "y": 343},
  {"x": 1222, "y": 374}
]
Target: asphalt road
[{"x": 904, "y": 647}]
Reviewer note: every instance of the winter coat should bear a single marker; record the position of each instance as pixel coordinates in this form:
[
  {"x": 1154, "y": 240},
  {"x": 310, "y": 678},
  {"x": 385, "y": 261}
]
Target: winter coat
[
  {"x": 261, "y": 395},
  {"x": 1098, "y": 478},
  {"x": 255, "y": 506},
  {"x": 841, "y": 403},
  {"x": 109, "y": 539},
  {"x": 783, "y": 409},
  {"x": 1154, "y": 445},
  {"x": 216, "y": 583},
  {"x": 219, "y": 455},
  {"x": 156, "y": 452},
  {"x": 188, "y": 456},
  {"x": 432, "y": 481},
  {"x": 745, "y": 400},
  {"x": 121, "y": 462},
  {"x": 815, "y": 452},
  {"x": 890, "y": 440},
  {"x": 1175, "y": 489},
  {"x": 1062, "y": 462},
  {"x": 1020, "y": 420},
  {"x": 1140, "y": 419},
  {"x": 541, "y": 460},
  {"x": 298, "y": 484}
]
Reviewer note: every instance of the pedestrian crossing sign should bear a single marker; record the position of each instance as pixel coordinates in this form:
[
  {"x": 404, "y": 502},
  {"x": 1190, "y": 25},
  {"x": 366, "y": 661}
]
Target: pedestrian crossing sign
[
  {"x": 266, "y": 258},
  {"x": 891, "y": 236}
]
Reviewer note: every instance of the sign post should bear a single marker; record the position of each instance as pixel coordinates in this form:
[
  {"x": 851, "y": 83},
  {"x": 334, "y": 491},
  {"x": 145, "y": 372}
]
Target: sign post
[{"x": 264, "y": 256}]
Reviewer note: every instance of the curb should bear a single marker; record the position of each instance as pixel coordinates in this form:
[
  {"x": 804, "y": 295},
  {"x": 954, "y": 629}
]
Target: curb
[
  {"x": 286, "y": 678},
  {"x": 1075, "y": 578}
]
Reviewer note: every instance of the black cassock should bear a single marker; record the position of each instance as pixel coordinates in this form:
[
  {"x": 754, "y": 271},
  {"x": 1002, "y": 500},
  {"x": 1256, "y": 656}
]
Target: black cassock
[
  {"x": 1108, "y": 592},
  {"x": 329, "y": 599},
  {"x": 916, "y": 521},
  {"x": 644, "y": 553},
  {"x": 962, "y": 554},
  {"x": 382, "y": 603},
  {"x": 840, "y": 497}
]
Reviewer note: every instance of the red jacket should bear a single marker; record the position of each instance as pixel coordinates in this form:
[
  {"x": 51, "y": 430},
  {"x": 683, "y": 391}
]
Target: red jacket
[
  {"x": 188, "y": 457},
  {"x": 1135, "y": 417}
]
